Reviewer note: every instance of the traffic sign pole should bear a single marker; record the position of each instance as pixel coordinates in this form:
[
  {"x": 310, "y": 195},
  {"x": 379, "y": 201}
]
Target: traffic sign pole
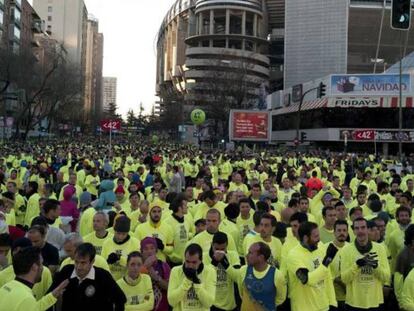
[{"x": 110, "y": 139}]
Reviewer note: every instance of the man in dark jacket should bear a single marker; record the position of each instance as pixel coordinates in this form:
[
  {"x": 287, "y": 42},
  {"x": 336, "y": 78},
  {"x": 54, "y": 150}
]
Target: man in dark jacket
[{"x": 90, "y": 288}]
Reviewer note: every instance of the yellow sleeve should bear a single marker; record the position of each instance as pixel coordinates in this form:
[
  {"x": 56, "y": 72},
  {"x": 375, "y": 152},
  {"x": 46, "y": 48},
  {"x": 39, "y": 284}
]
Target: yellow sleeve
[
  {"x": 43, "y": 304},
  {"x": 398, "y": 286},
  {"x": 207, "y": 292},
  {"x": 407, "y": 296},
  {"x": 177, "y": 288},
  {"x": 319, "y": 274},
  {"x": 280, "y": 284},
  {"x": 314, "y": 277},
  {"x": 236, "y": 275},
  {"x": 348, "y": 272},
  {"x": 87, "y": 182},
  {"x": 348, "y": 266},
  {"x": 383, "y": 272},
  {"x": 169, "y": 245}
]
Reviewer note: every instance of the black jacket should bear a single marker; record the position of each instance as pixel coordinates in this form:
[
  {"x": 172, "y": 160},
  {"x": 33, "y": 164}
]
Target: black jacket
[{"x": 101, "y": 294}]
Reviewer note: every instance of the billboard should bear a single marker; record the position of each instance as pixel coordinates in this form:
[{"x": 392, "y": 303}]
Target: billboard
[
  {"x": 369, "y": 84},
  {"x": 248, "y": 125}
]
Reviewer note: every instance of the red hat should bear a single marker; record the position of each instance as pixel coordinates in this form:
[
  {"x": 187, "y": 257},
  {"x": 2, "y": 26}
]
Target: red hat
[{"x": 119, "y": 189}]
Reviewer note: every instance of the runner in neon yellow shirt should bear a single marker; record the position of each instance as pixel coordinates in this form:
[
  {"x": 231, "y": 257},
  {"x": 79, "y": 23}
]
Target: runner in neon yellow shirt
[{"x": 364, "y": 269}]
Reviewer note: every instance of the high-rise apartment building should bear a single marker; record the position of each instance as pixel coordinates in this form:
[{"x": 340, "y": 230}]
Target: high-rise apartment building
[
  {"x": 93, "y": 71},
  {"x": 66, "y": 21},
  {"x": 109, "y": 91},
  {"x": 19, "y": 22}
]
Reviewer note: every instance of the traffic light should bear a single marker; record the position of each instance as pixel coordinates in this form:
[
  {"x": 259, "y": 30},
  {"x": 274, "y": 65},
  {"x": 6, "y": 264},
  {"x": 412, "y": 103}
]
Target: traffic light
[
  {"x": 321, "y": 90},
  {"x": 401, "y": 14},
  {"x": 303, "y": 137}
]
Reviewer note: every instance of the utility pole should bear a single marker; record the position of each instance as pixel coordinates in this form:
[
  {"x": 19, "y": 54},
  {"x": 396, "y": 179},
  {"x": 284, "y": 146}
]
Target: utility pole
[
  {"x": 400, "y": 114},
  {"x": 321, "y": 93},
  {"x": 401, "y": 21}
]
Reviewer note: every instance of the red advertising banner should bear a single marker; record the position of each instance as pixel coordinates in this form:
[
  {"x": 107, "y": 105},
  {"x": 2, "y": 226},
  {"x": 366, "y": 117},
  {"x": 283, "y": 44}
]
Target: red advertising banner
[
  {"x": 363, "y": 135},
  {"x": 107, "y": 125},
  {"x": 379, "y": 135},
  {"x": 250, "y": 125}
]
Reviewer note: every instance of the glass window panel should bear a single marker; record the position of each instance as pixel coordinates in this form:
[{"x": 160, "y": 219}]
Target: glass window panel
[
  {"x": 205, "y": 23},
  {"x": 17, "y": 15},
  {"x": 219, "y": 43},
  {"x": 219, "y": 21},
  {"x": 236, "y": 20},
  {"x": 249, "y": 46},
  {"x": 17, "y": 32},
  {"x": 235, "y": 44},
  {"x": 249, "y": 24}
]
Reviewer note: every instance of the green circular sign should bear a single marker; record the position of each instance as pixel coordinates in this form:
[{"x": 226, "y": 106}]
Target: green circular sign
[
  {"x": 154, "y": 139},
  {"x": 198, "y": 116}
]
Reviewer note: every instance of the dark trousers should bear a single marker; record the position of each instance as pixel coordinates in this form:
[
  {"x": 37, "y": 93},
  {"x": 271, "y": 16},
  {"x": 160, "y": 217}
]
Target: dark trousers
[{"x": 340, "y": 307}]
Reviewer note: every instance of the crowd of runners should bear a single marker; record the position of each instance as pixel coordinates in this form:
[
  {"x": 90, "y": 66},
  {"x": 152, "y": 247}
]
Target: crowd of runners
[{"x": 145, "y": 226}]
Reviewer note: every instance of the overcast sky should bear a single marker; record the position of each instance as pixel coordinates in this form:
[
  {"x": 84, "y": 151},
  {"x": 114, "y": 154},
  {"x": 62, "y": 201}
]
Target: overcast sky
[{"x": 130, "y": 28}]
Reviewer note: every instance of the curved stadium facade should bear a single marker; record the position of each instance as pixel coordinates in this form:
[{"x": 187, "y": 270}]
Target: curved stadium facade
[{"x": 202, "y": 43}]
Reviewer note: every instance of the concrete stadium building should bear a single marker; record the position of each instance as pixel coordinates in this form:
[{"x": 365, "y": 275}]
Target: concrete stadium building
[
  {"x": 340, "y": 36},
  {"x": 203, "y": 43}
]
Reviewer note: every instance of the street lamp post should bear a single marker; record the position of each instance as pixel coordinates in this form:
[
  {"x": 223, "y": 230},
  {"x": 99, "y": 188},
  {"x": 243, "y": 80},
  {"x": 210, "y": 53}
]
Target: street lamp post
[{"x": 298, "y": 118}]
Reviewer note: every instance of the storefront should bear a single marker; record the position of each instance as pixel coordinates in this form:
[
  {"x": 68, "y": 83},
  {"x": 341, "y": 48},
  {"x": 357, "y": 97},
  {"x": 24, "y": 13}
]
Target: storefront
[{"x": 359, "y": 109}]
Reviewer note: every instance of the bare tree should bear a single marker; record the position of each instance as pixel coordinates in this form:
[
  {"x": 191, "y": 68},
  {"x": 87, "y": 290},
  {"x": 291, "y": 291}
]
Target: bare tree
[
  {"x": 51, "y": 87},
  {"x": 229, "y": 86},
  {"x": 173, "y": 105}
]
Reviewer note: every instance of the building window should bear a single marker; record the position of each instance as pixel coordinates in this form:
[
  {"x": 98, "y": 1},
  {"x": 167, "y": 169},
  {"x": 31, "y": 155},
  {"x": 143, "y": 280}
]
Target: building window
[
  {"x": 16, "y": 48},
  {"x": 235, "y": 44},
  {"x": 219, "y": 43},
  {"x": 205, "y": 23},
  {"x": 249, "y": 24},
  {"x": 49, "y": 29},
  {"x": 49, "y": 18},
  {"x": 16, "y": 33},
  {"x": 219, "y": 21},
  {"x": 249, "y": 46},
  {"x": 17, "y": 15},
  {"x": 205, "y": 43},
  {"x": 236, "y": 20},
  {"x": 50, "y": 9},
  {"x": 1, "y": 17}
]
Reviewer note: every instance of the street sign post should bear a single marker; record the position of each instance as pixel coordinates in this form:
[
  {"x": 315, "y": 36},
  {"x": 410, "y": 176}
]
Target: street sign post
[{"x": 109, "y": 126}]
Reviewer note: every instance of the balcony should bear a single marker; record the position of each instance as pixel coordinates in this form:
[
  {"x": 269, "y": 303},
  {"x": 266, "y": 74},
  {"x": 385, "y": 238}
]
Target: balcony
[
  {"x": 17, "y": 3},
  {"x": 37, "y": 26},
  {"x": 253, "y": 4},
  {"x": 195, "y": 39}
]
